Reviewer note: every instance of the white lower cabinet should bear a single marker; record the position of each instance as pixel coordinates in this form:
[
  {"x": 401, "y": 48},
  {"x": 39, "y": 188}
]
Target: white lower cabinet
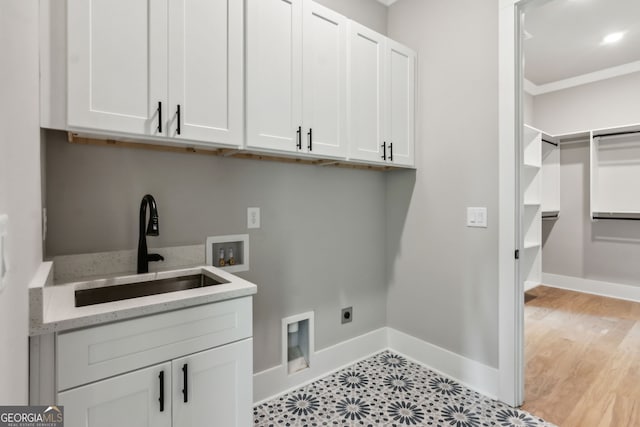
[
  {"x": 128, "y": 400},
  {"x": 185, "y": 368},
  {"x": 207, "y": 388},
  {"x": 212, "y": 388}
]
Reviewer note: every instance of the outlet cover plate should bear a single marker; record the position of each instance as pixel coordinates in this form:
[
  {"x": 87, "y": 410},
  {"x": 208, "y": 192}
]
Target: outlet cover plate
[
  {"x": 347, "y": 315},
  {"x": 253, "y": 217}
]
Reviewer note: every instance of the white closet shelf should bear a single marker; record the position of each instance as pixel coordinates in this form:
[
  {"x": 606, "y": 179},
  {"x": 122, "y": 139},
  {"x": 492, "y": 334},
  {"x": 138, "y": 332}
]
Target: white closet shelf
[
  {"x": 628, "y": 215},
  {"x": 531, "y": 245},
  {"x": 547, "y": 215},
  {"x": 531, "y": 204},
  {"x": 532, "y": 166},
  {"x": 615, "y": 170}
]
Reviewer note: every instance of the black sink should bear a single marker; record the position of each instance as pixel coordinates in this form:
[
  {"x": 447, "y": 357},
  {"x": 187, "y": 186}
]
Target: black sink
[{"x": 104, "y": 294}]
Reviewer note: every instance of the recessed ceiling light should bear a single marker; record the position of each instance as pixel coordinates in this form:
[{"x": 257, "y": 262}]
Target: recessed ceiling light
[{"x": 612, "y": 38}]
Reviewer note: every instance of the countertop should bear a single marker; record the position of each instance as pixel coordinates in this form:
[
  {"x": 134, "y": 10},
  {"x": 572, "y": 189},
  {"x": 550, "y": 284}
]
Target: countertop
[{"x": 52, "y": 306}]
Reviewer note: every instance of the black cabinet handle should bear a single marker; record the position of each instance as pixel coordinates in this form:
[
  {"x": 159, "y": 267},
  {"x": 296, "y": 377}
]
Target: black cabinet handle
[
  {"x": 384, "y": 150},
  {"x": 161, "y": 399},
  {"x": 159, "y": 117},
  {"x": 310, "y": 134},
  {"x": 178, "y": 114},
  {"x": 299, "y": 136},
  {"x": 185, "y": 376},
  {"x": 391, "y": 151}
]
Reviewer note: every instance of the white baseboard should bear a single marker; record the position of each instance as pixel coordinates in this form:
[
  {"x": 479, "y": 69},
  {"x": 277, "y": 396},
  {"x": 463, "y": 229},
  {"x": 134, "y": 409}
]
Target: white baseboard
[
  {"x": 477, "y": 376},
  {"x": 274, "y": 381},
  {"x": 471, "y": 373},
  {"x": 596, "y": 287}
]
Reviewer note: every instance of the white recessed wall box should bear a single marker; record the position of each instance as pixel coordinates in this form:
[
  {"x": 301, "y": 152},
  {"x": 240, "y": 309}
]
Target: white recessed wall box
[{"x": 230, "y": 253}]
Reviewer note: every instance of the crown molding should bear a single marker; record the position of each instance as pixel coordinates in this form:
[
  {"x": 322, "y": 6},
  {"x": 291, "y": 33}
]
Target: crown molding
[
  {"x": 620, "y": 70},
  {"x": 387, "y": 2}
]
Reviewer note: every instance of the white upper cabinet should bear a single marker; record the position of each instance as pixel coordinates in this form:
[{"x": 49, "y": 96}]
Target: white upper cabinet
[
  {"x": 205, "y": 70},
  {"x": 117, "y": 56},
  {"x": 296, "y": 77},
  {"x": 324, "y": 80},
  {"x": 400, "y": 104},
  {"x": 131, "y": 63},
  {"x": 274, "y": 79},
  {"x": 381, "y": 99},
  {"x": 366, "y": 93}
]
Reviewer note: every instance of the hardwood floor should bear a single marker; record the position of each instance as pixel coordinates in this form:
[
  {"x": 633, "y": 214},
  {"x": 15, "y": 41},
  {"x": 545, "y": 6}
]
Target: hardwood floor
[{"x": 582, "y": 355}]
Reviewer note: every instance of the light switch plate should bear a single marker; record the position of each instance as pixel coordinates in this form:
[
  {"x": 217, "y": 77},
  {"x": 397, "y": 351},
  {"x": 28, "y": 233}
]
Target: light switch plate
[
  {"x": 477, "y": 217},
  {"x": 253, "y": 217},
  {"x": 4, "y": 220}
]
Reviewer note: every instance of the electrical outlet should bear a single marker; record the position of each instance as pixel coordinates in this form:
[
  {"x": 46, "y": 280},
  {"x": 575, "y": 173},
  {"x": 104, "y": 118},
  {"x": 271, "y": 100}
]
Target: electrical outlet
[
  {"x": 347, "y": 315},
  {"x": 253, "y": 217}
]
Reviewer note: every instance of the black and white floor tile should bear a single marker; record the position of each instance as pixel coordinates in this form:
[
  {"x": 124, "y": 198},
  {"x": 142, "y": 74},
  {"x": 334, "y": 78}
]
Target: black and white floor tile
[{"x": 388, "y": 390}]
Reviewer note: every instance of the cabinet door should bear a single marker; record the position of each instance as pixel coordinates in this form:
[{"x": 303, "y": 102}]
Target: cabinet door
[
  {"x": 274, "y": 73},
  {"x": 128, "y": 400},
  {"x": 218, "y": 387},
  {"x": 117, "y": 65},
  {"x": 400, "y": 104},
  {"x": 324, "y": 80},
  {"x": 366, "y": 93},
  {"x": 205, "y": 70}
]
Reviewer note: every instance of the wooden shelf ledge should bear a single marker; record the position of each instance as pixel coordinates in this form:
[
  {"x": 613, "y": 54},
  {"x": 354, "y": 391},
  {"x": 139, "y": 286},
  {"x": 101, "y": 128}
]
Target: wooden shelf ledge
[{"x": 75, "y": 138}]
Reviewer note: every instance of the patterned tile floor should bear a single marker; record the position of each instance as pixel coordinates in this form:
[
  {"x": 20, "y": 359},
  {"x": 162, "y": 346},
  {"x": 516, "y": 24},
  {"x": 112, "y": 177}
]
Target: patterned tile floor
[{"x": 388, "y": 390}]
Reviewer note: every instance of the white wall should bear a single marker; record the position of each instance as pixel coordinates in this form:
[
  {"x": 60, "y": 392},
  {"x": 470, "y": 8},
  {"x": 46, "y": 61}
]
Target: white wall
[
  {"x": 443, "y": 276},
  {"x": 574, "y": 245},
  {"x": 19, "y": 187},
  {"x": 611, "y": 102}
]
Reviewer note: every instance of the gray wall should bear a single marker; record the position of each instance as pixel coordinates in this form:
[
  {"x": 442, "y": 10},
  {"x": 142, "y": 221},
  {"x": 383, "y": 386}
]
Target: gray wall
[
  {"x": 321, "y": 245},
  {"x": 573, "y": 245},
  {"x": 369, "y": 13},
  {"x": 19, "y": 188},
  {"x": 443, "y": 276}
]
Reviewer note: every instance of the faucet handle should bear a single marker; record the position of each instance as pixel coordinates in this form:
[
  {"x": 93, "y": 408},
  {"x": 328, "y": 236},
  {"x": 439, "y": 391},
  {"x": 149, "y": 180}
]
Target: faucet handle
[{"x": 155, "y": 257}]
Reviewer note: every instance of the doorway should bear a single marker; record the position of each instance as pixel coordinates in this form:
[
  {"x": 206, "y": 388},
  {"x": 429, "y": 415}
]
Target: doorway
[{"x": 512, "y": 101}]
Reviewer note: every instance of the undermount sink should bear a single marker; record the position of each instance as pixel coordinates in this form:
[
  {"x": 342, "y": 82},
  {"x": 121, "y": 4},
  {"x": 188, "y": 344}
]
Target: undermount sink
[{"x": 84, "y": 297}]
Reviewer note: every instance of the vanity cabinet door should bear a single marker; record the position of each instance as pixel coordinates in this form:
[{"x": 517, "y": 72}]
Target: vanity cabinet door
[
  {"x": 135, "y": 399},
  {"x": 117, "y": 66},
  {"x": 214, "y": 387}
]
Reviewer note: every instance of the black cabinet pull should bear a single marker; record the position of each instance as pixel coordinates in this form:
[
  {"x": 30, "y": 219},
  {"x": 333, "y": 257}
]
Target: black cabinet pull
[
  {"x": 299, "y": 136},
  {"x": 178, "y": 114},
  {"x": 391, "y": 151},
  {"x": 384, "y": 151},
  {"x": 159, "y": 117},
  {"x": 161, "y": 399},
  {"x": 185, "y": 376},
  {"x": 310, "y": 134}
]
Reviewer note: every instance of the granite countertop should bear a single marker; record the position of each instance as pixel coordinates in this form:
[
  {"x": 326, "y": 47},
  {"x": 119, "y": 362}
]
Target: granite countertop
[{"x": 52, "y": 306}]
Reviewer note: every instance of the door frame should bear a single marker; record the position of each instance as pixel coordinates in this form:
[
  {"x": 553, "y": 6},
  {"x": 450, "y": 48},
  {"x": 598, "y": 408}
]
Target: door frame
[{"x": 510, "y": 136}]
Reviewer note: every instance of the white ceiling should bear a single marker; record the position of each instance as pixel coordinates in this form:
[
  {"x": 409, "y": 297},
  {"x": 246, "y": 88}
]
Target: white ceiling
[{"x": 567, "y": 37}]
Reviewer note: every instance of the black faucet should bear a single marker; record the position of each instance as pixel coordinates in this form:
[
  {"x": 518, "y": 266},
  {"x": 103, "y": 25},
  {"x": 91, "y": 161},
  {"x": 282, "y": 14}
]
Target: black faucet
[{"x": 152, "y": 230}]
